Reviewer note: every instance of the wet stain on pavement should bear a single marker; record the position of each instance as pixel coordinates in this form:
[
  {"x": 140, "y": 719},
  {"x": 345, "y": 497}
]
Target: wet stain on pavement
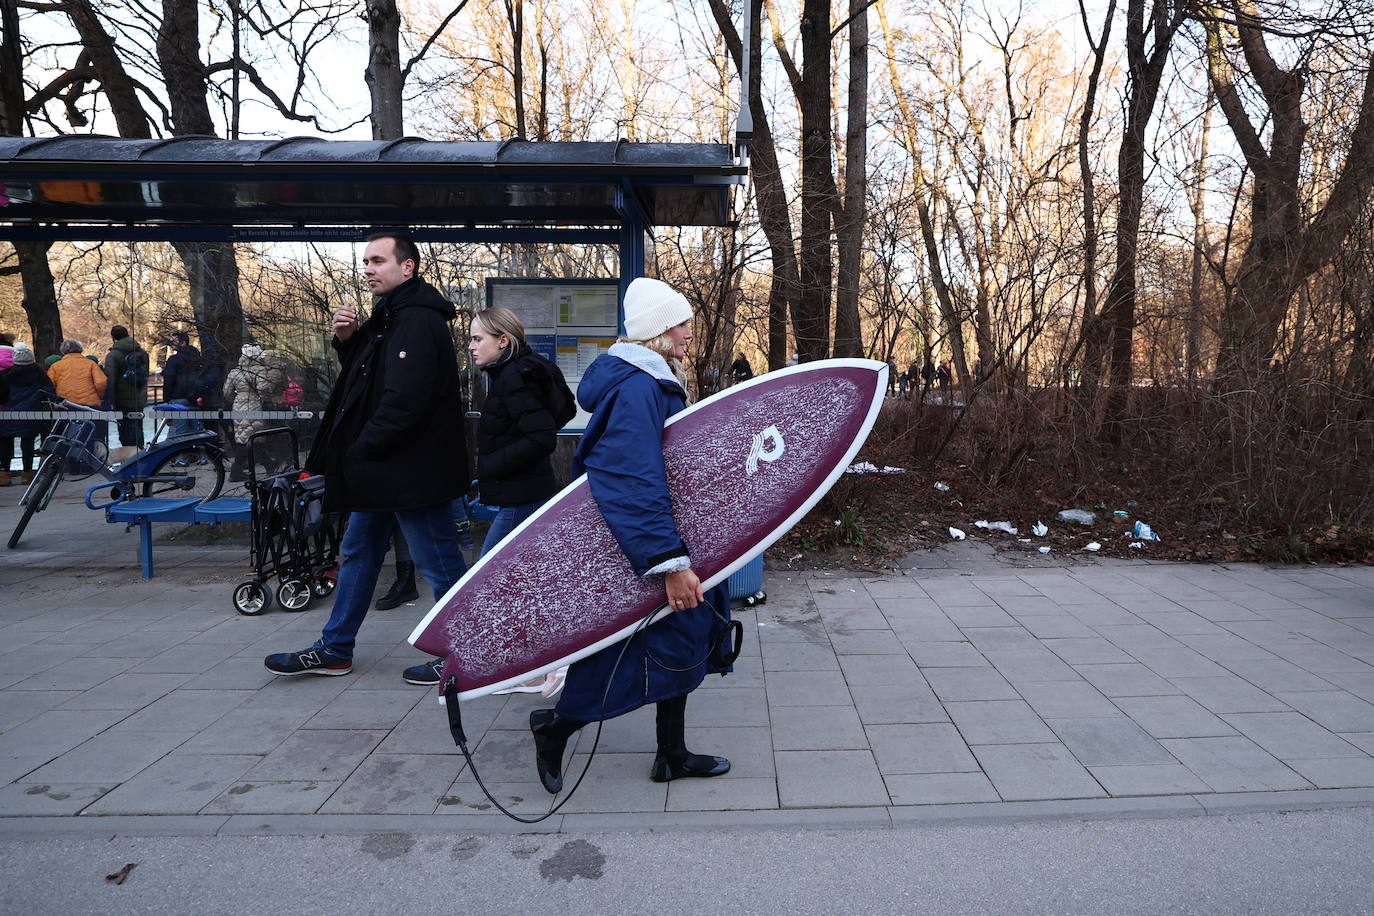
[
  {"x": 465, "y": 849},
  {"x": 47, "y": 790},
  {"x": 578, "y": 859},
  {"x": 524, "y": 852},
  {"x": 200, "y": 787},
  {"x": 383, "y": 846},
  {"x": 243, "y": 789}
]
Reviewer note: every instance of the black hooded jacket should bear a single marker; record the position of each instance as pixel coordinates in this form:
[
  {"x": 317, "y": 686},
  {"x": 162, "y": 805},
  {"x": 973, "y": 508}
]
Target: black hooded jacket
[
  {"x": 527, "y": 404},
  {"x": 392, "y": 435}
]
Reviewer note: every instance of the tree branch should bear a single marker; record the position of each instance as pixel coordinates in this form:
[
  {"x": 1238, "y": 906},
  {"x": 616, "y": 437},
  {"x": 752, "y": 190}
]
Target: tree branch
[{"x": 429, "y": 42}]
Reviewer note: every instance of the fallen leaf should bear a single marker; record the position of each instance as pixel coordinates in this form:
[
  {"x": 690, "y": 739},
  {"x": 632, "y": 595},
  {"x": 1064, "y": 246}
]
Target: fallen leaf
[{"x": 119, "y": 876}]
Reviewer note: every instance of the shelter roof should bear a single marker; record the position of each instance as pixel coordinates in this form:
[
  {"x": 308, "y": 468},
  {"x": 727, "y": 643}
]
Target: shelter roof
[{"x": 312, "y": 183}]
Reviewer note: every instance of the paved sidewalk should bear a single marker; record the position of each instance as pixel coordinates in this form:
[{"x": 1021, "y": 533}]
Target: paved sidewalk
[{"x": 969, "y": 688}]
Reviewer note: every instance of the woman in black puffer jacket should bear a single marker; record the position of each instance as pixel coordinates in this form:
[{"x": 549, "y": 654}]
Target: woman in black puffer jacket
[{"x": 527, "y": 403}]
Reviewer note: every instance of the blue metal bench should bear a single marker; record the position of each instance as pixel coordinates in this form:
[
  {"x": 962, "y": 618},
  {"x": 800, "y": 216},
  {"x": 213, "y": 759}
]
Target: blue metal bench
[{"x": 185, "y": 510}]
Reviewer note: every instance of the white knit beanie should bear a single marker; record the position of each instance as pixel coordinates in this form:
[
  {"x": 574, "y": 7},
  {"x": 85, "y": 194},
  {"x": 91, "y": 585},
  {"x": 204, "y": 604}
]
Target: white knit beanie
[{"x": 652, "y": 307}]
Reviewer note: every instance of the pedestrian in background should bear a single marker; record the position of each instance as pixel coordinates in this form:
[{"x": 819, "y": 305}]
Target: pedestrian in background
[
  {"x": 181, "y": 380},
  {"x": 247, "y": 386},
  {"x": 740, "y": 370},
  {"x": 76, "y": 378},
  {"x": 126, "y": 366},
  {"x": 29, "y": 389}
]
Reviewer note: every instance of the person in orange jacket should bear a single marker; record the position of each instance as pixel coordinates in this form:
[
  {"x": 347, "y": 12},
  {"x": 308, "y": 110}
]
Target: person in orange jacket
[{"x": 76, "y": 378}]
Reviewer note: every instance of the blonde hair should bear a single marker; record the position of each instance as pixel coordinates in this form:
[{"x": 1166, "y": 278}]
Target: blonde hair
[
  {"x": 498, "y": 321},
  {"x": 663, "y": 346}
]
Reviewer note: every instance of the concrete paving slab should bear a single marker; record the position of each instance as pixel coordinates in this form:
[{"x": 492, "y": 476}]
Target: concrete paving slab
[
  {"x": 1094, "y": 650},
  {"x": 1033, "y": 665},
  {"x": 939, "y": 788},
  {"x": 57, "y": 731},
  {"x": 1274, "y": 675},
  {"x": 316, "y": 755},
  {"x": 1109, "y": 742},
  {"x": 392, "y": 784},
  {"x": 866, "y": 642},
  {"x": 1228, "y": 646},
  {"x": 1335, "y": 710},
  {"x": 829, "y": 779},
  {"x": 1173, "y": 717},
  {"x": 1148, "y": 779},
  {"x": 879, "y": 670},
  {"x": 272, "y": 797},
  {"x": 897, "y": 705},
  {"x": 1129, "y": 680},
  {"x": 1290, "y": 736},
  {"x": 815, "y": 728},
  {"x": 945, "y": 654},
  {"x": 127, "y": 691},
  {"x": 1036, "y": 771},
  {"x": 988, "y": 616},
  {"x": 76, "y": 675},
  {"x": 805, "y": 688},
  {"x": 367, "y": 709},
  {"x": 1229, "y": 694},
  {"x": 1056, "y": 626},
  {"x": 798, "y": 657},
  {"x": 1234, "y": 765},
  {"x": 912, "y": 749},
  {"x": 723, "y": 793},
  {"x": 955, "y": 684},
  {"x": 999, "y": 722},
  {"x": 178, "y": 784},
  {"x": 749, "y": 749},
  {"x": 186, "y": 709},
  {"x": 1067, "y": 700},
  {"x": 1336, "y": 773},
  {"x": 48, "y": 799}
]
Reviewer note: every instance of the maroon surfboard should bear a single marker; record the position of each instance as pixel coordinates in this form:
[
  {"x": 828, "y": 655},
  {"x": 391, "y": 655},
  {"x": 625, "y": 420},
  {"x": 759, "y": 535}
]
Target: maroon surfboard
[{"x": 743, "y": 467}]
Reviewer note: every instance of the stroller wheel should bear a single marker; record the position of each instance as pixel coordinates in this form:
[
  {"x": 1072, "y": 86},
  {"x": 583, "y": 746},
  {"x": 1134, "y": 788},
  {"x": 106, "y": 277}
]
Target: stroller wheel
[
  {"x": 294, "y": 595},
  {"x": 251, "y": 599},
  {"x": 323, "y": 585}
]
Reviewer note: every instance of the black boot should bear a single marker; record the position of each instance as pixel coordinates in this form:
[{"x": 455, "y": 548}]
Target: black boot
[
  {"x": 673, "y": 760},
  {"x": 551, "y": 733},
  {"x": 402, "y": 590}
]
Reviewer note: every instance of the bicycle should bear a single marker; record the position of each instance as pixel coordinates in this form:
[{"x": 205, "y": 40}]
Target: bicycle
[{"x": 187, "y": 465}]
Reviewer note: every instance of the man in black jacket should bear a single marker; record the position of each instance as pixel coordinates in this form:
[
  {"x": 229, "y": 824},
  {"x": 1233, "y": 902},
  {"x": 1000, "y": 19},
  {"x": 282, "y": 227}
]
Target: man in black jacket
[
  {"x": 391, "y": 445},
  {"x": 181, "y": 379}
]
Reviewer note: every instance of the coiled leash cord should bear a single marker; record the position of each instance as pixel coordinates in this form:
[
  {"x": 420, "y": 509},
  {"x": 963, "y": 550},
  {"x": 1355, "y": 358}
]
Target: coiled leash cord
[{"x": 455, "y": 715}]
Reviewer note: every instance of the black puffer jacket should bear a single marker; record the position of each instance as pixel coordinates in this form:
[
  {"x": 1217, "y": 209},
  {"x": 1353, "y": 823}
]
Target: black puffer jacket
[
  {"x": 527, "y": 403},
  {"x": 392, "y": 435}
]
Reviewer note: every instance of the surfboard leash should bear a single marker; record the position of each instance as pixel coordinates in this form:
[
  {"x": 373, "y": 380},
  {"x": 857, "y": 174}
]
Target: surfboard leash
[{"x": 455, "y": 728}]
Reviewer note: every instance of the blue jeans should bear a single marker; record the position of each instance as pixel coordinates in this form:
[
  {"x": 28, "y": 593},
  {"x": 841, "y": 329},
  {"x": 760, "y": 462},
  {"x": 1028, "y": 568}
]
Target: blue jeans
[
  {"x": 507, "y": 518},
  {"x": 185, "y": 427},
  {"x": 433, "y": 546}
]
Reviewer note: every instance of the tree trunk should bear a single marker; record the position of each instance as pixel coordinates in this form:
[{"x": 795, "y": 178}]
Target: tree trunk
[
  {"x": 40, "y": 296},
  {"x": 1085, "y": 169},
  {"x": 850, "y": 232},
  {"x": 1285, "y": 248},
  {"x": 1193, "y": 340},
  {"x": 383, "y": 73},
  {"x": 817, "y": 184},
  {"x": 921, "y": 198},
  {"x": 120, "y": 90},
  {"x": 211, "y": 269},
  {"x": 769, "y": 187}
]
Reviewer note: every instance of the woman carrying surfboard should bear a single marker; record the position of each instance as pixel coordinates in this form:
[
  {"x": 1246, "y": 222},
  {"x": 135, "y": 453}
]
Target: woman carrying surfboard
[
  {"x": 631, "y": 390},
  {"x": 527, "y": 403}
]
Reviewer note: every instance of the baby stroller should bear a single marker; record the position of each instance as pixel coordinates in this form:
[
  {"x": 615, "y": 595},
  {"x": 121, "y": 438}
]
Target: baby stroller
[{"x": 292, "y": 538}]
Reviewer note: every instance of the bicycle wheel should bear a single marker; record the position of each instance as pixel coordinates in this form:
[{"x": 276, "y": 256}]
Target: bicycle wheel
[
  {"x": 195, "y": 471},
  {"x": 36, "y": 497}
]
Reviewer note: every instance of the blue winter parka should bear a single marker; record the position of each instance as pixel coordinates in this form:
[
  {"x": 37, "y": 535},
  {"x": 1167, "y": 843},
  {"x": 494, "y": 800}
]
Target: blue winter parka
[{"x": 630, "y": 393}]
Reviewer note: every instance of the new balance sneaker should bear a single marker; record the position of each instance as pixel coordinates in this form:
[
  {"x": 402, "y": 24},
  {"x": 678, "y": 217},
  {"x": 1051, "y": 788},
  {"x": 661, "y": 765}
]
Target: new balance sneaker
[
  {"x": 311, "y": 661},
  {"x": 425, "y": 674}
]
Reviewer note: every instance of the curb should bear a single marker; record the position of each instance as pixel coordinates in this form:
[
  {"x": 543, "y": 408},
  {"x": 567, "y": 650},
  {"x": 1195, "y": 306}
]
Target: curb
[{"x": 972, "y": 814}]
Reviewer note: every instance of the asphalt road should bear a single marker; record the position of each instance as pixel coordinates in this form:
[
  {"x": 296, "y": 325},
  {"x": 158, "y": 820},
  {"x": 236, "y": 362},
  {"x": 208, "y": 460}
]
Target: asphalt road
[{"x": 1308, "y": 862}]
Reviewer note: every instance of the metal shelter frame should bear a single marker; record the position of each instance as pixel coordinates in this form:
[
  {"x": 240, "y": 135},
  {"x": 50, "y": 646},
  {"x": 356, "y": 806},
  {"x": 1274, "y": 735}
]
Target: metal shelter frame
[{"x": 206, "y": 189}]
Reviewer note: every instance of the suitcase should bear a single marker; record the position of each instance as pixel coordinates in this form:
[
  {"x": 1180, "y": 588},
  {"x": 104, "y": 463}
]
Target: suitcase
[{"x": 746, "y": 583}]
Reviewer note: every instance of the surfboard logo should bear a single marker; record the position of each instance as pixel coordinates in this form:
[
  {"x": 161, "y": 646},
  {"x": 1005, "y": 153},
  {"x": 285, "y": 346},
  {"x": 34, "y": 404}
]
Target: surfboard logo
[{"x": 768, "y": 446}]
